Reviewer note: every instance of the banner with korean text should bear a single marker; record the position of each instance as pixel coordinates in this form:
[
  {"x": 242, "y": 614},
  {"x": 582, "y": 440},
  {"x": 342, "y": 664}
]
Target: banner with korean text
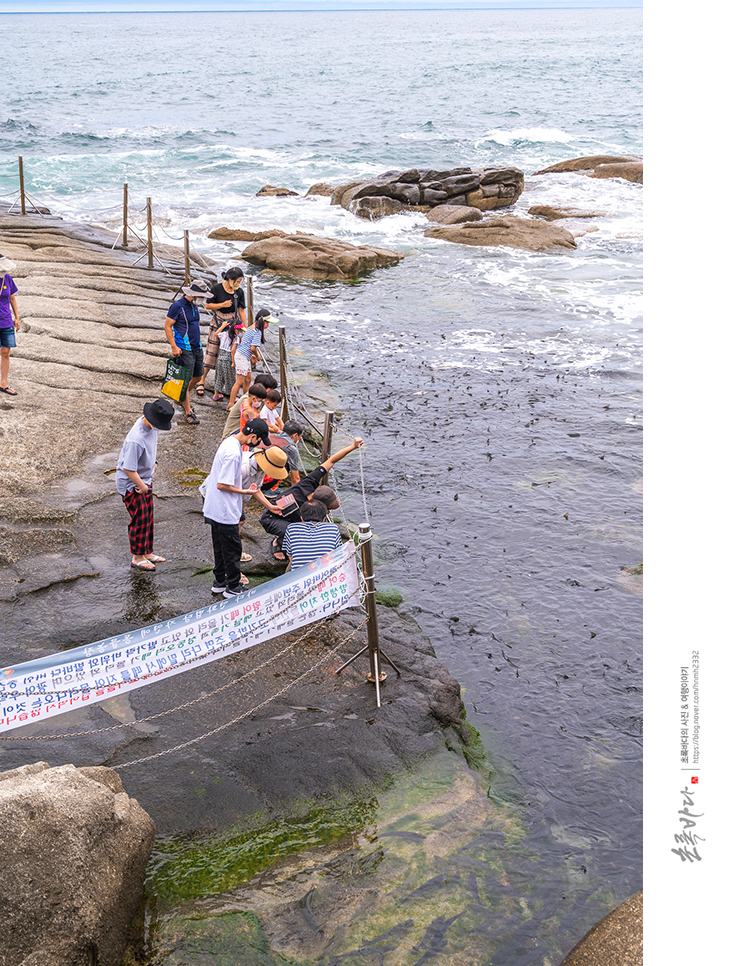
[{"x": 37, "y": 690}]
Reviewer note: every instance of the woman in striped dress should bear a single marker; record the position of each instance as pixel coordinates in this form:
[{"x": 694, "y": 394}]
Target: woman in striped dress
[{"x": 228, "y": 305}]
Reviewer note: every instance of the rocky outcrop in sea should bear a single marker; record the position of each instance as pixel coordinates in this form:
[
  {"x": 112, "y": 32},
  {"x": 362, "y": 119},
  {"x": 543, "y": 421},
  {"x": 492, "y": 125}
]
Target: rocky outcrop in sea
[
  {"x": 602, "y": 166},
  {"x": 482, "y": 188},
  {"x": 309, "y": 256},
  {"x": 536, "y": 236}
]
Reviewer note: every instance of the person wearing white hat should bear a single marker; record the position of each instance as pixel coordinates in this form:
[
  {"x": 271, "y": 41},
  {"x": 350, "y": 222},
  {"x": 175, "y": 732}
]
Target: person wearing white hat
[
  {"x": 9, "y": 321},
  {"x": 182, "y": 330}
]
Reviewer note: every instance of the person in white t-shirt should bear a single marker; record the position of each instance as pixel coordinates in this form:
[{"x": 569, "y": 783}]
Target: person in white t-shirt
[
  {"x": 269, "y": 412},
  {"x": 236, "y": 474}
]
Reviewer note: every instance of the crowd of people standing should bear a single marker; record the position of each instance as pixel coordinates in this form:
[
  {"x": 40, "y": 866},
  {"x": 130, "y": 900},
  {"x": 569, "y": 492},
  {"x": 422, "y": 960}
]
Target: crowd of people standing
[{"x": 257, "y": 453}]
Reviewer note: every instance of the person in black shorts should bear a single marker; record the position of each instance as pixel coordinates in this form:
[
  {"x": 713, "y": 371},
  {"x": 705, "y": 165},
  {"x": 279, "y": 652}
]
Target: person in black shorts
[{"x": 182, "y": 330}]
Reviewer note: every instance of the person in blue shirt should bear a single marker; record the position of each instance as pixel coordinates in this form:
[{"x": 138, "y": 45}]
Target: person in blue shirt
[{"x": 182, "y": 330}]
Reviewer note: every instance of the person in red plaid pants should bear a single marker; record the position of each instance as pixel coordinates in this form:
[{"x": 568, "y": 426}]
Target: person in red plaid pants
[{"x": 135, "y": 468}]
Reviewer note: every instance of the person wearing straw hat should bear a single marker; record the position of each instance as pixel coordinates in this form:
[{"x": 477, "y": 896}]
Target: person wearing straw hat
[
  {"x": 9, "y": 321},
  {"x": 236, "y": 475},
  {"x": 135, "y": 468},
  {"x": 182, "y": 330}
]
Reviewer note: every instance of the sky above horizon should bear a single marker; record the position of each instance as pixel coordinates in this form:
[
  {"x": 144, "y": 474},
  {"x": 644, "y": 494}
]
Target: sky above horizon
[{"x": 117, "y": 6}]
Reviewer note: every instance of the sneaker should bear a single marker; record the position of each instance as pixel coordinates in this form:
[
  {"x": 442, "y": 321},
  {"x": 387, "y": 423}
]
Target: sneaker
[
  {"x": 218, "y": 589},
  {"x": 235, "y": 592}
]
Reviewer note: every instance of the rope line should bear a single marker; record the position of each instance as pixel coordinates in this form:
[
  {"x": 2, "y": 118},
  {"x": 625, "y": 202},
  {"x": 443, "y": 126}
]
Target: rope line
[{"x": 246, "y": 714}]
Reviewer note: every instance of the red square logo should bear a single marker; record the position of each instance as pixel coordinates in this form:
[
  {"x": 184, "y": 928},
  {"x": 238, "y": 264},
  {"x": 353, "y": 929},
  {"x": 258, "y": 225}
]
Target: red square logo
[{"x": 695, "y": 780}]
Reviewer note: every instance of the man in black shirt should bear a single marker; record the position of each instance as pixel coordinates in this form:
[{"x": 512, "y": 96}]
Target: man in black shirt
[{"x": 309, "y": 487}]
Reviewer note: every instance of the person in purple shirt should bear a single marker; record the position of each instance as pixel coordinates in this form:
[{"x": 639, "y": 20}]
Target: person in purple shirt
[{"x": 9, "y": 321}]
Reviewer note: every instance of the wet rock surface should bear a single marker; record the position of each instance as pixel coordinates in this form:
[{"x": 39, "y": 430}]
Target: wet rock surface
[
  {"x": 75, "y": 847},
  {"x": 536, "y": 236},
  {"x": 72, "y": 585}
]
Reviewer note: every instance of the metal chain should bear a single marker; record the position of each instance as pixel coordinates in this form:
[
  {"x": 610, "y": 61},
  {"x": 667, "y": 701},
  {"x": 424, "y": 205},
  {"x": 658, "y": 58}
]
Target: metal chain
[{"x": 246, "y": 714}]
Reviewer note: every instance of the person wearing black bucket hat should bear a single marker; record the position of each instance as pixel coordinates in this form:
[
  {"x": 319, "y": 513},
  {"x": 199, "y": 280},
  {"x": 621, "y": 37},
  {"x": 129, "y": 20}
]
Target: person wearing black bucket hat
[{"x": 135, "y": 468}]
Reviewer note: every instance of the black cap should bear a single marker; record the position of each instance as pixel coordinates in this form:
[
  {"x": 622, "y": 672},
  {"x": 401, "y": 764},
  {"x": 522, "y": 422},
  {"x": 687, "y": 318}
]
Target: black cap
[{"x": 260, "y": 428}]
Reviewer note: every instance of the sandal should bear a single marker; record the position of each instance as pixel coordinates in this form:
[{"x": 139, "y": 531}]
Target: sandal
[
  {"x": 217, "y": 396},
  {"x": 141, "y": 566},
  {"x": 200, "y": 390},
  {"x": 278, "y": 552},
  {"x": 191, "y": 419},
  {"x": 8, "y": 391},
  {"x": 246, "y": 558}
]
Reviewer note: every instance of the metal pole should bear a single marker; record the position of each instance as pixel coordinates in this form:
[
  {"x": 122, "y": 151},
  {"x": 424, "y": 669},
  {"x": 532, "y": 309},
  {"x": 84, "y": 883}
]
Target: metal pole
[
  {"x": 282, "y": 373},
  {"x": 366, "y": 551},
  {"x": 249, "y": 301},
  {"x": 125, "y": 228},
  {"x": 22, "y": 185},
  {"x": 150, "y": 255},
  {"x": 187, "y": 256}
]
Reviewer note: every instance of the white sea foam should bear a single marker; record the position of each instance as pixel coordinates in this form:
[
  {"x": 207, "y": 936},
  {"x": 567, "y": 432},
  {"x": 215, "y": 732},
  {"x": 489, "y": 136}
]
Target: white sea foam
[{"x": 533, "y": 135}]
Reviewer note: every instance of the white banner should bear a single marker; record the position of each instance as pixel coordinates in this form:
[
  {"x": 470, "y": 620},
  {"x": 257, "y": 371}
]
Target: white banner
[{"x": 62, "y": 682}]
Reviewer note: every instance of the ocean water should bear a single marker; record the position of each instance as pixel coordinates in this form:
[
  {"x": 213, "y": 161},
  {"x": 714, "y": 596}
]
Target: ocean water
[{"x": 499, "y": 391}]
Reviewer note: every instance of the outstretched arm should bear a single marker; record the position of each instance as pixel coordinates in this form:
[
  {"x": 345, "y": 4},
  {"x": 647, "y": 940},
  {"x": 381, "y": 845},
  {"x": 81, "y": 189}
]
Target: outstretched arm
[{"x": 340, "y": 454}]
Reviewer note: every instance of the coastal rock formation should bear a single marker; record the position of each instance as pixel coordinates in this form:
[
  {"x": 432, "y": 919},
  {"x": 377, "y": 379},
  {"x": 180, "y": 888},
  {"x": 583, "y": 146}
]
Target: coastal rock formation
[
  {"x": 628, "y": 170},
  {"x": 92, "y": 327},
  {"x": 271, "y": 191},
  {"x": 588, "y": 163},
  {"x": 536, "y": 236},
  {"x": 480, "y": 188},
  {"x": 549, "y": 213},
  {"x": 308, "y": 256},
  {"x": 240, "y": 234},
  {"x": 321, "y": 188},
  {"x": 453, "y": 214},
  {"x": 75, "y": 848},
  {"x": 602, "y": 166}
]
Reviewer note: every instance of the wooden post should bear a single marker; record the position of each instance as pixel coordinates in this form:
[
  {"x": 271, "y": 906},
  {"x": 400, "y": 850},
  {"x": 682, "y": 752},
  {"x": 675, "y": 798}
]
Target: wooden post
[
  {"x": 282, "y": 373},
  {"x": 326, "y": 441},
  {"x": 366, "y": 551},
  {"x": 186, "y": 246},
  {"x": 150, "y": 255},
  {"x": 125, "y": 226},
  {"x": 249, "y": 301},
  {"x": 22, "y": 185}
]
